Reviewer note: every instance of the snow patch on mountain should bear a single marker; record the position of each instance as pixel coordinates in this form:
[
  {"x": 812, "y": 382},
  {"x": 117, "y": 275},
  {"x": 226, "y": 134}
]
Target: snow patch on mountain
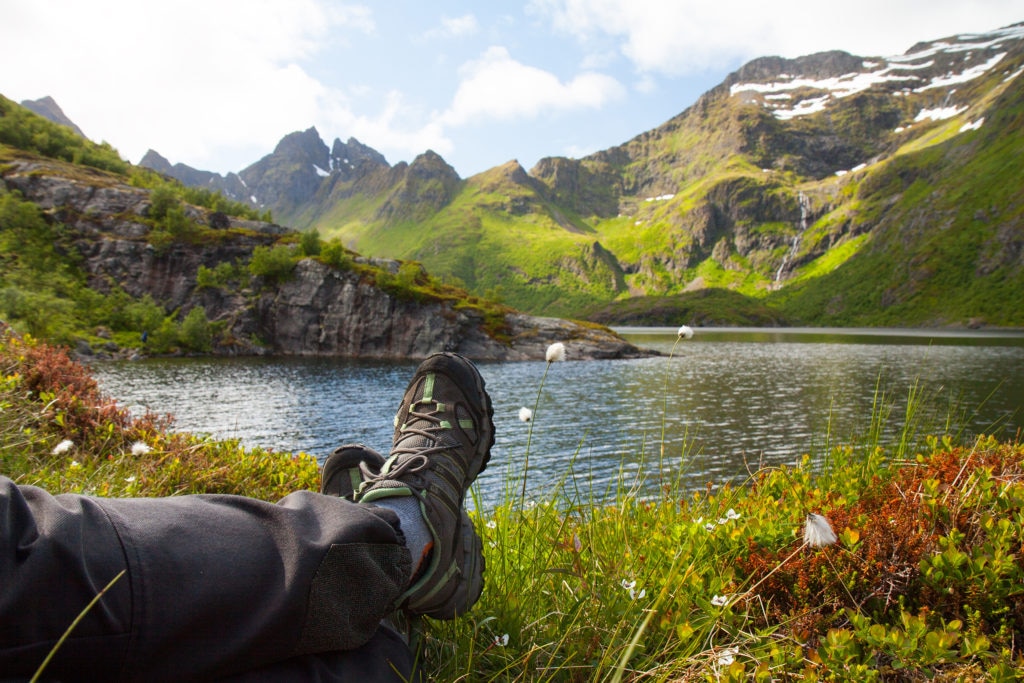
[{"x": 961, "y": 60}]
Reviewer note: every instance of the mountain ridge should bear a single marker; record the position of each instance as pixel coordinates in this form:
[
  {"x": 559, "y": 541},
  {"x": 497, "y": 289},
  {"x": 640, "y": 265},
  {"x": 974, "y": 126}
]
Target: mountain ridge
[{"x": 753, "y": 188}]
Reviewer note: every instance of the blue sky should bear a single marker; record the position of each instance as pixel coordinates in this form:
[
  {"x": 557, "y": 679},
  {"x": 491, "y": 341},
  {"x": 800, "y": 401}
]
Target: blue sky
[{"x": 216, "y": 84}]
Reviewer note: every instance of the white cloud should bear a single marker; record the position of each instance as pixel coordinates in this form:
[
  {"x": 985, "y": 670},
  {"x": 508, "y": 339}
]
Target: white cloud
[
  {"x": 497, "y": 87},
  {"x": 453, "y": 27},
  {"x": 683, "y": 36},
  {"x": 392, "y": 130},
  {"x": 193, "y": 76}
]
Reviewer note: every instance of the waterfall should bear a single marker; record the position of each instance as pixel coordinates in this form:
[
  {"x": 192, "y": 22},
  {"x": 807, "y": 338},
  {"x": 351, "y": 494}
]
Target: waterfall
[{"x": 794, "y": 244}]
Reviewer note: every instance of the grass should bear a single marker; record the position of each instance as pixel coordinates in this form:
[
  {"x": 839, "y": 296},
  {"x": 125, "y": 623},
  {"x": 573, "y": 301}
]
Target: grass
[{"x": 651, "y": 580}]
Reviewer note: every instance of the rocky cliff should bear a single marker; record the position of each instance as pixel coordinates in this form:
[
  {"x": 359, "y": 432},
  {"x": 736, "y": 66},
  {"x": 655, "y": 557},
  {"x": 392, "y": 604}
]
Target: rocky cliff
[{"x": 317, "y": 310}]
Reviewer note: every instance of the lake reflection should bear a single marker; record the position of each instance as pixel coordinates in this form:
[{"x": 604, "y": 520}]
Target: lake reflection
[{"x": 730, "y": 398}]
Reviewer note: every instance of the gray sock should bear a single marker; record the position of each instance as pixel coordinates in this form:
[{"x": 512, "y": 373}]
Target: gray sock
[{"x": 417, "y": 535}]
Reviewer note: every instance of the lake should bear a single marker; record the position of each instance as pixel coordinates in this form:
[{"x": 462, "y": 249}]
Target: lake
[{"x": 727, "y": 399}]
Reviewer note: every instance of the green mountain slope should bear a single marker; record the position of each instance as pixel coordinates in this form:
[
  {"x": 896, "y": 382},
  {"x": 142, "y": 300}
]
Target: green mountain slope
[
  {"x": 947, "y": 246},
  {"x": 831, "y": 189}
]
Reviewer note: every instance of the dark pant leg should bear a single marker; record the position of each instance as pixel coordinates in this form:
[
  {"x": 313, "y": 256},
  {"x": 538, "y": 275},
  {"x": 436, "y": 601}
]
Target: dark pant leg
[
  {"x": 215, "y": 585},
  {"x": 384, "y": 659}
]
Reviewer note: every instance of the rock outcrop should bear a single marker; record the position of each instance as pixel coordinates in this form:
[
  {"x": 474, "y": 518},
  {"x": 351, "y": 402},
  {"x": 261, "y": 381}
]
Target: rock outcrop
[
  {"x": 317, "y": 310},
  {"x": 323, "y": 311}
]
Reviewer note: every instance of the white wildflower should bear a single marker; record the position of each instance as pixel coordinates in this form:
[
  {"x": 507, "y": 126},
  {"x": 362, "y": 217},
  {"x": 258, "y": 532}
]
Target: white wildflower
[
  {"x": 525, "y": 414},
  {"x": 129, "y": 480},
  {"x": 75, "y": 464},
  {"x": 140, "y": 448},
  {"x": 685, "y": 332},
  {"x": 720, "y": 600},
  {"x": 492, "y": 524},
  {"x": 728, "y": 656},
  {"x": 556, "y": 352},
  {"x": 63, "y": 447},
  {"x": 501, "y": 641},
  {"x": 634, "y": 595},
  {"x": 710, "y": 526},
  {"x": 731, "y": 514},
  {"x": 628, "y": 585},
  {"x": 818, "y": 532}
]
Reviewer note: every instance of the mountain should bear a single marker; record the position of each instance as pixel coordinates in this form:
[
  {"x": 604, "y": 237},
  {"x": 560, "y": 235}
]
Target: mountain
[
  {"x": 826, "y": 189},
  {"x": 288, "y": 179},
  {"x": 48, "y": 109}
]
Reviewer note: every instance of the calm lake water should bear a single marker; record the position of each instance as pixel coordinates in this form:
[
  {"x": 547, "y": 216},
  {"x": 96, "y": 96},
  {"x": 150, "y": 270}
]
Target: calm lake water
[{"x": 728, "y": 398}]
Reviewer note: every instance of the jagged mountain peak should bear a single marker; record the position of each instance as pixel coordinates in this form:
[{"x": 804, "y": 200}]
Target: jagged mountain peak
[
  {"x": 48, "y": 108},
  {"x": 432, "y": 164},
  {"x": 156, "y": 161},
  {"x": 349, "y": 155},
  {"x": 304, "y": 145}
]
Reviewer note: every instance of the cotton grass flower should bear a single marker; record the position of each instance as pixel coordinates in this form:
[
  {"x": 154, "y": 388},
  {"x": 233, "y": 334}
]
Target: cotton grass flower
[
  {"x": 728, "y": 656},
  {"x": 525, "y": 414},
  {"x": 630, "y": 587},
  {"x": 685, "y": 332},
  {"x": 140, "y": 448},
  {"x": 555, "y": 353},
  {"x": 818, "y": 532},
  {"x": 63, "y": 447}
]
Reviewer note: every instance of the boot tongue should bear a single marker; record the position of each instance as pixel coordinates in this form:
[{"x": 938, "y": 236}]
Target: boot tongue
[{"x": 442, "y": 440}]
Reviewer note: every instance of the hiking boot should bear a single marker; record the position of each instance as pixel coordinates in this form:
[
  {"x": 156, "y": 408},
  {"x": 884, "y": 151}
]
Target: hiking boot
[
  {"x": 342, "y": 473},
  {"x": 444, "y": 431}
]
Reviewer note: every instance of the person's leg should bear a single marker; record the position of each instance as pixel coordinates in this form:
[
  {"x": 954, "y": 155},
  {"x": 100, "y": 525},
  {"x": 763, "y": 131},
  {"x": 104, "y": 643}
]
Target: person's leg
[
  {"x": 218, "y": 586},
  {"x": 215, "y": 585},
  {"x": 384, "y": 659}
]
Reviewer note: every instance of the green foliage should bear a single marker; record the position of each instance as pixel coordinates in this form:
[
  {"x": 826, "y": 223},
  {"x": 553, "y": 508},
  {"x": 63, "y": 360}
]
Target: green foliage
[
  {"x": 196, "y": 333},
  {"x": 334, "y": 254},
  {"x": 162, "y": 199},
  {"x": 41, "y": 285},
  {"x": 22, "y": 129},
  {"x": 273, "y": 263},
  {"x": 222, "y": 275},
  {"x": 309, "y": 243}
]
